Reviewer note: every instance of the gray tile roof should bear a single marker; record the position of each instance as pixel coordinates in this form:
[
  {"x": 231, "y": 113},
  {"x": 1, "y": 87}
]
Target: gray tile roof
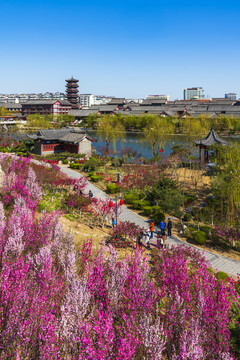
[
  {"x": 82, "y": 112},
  {"x": 211, "y": 139},
  {"x": 218, "y": 107},
  {"x": 116, "y": 101},
  {"x": 186, "y": 102},
  {"x": 46, "y": 102},
  {"x": 10, "y": 106},
  {"x": 65, "y": 135},
  {"x": 72, "y": 137},
  {"x": 153, "y": 101},
  {"x": 107, "y": 108},
  {"x": 223, "y": 108},
  {"x": 167, "y": 113},
  {"x": 150, "y": 109},
  {"x": 223, "y": 100},
  {"x": 49, "y": 134},
  {"x": 94, "y": 107},
  {"x": 32, "y": 137},
  {"x": 123, "y": 112}
]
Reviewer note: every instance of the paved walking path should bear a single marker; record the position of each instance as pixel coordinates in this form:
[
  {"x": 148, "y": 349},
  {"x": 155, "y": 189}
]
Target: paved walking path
[{"x": 221, "y": 263}]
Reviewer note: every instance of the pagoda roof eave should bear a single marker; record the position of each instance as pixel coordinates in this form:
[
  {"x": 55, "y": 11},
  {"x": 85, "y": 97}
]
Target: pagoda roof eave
[{"x": 211, "y": 139}]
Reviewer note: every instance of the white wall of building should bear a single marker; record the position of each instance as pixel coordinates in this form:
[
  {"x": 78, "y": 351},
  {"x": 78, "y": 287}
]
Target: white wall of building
[
  {"x": 87, "y": 100},
  {"x": 158, "y": 97}
]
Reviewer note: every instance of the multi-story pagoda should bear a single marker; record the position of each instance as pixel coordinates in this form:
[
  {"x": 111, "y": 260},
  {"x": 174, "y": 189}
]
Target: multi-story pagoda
[{"x": 72, "y": 92}]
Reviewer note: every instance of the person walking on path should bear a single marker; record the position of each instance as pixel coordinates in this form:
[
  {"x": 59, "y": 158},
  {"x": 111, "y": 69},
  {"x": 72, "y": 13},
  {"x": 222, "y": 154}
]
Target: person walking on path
[
  {"x": 169, "y": 227},
  {"x": 164, "y": 238},
  {"x": 159, "y": 241},
  {"x": 162, "y": 226},
  {"x": 151, "y": 228},
  {"x": 147, "y": 238},
  {"x": 140, "y": 237},
  {"x": 113, "y": 222}
]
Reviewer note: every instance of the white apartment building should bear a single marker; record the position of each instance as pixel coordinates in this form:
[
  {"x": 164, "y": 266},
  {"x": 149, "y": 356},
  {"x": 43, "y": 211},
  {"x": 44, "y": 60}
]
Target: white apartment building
[
  {"x": 195, "y": 93},
  {"x": 87, "y": 100},
  {"x": 134, "y": 101},
  {"x": 20, "y": 98},
  {"x": 158, "y": 97},
  {"x": 232, "y": 96}
]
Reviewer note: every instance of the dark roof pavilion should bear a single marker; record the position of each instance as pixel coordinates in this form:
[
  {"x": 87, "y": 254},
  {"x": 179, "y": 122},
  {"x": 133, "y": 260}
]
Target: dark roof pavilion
[{"x": 211, "y": 139}]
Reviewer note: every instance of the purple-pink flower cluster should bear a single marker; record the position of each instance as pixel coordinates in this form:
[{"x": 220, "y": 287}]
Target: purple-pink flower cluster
[{"x": 56, "y": 303}]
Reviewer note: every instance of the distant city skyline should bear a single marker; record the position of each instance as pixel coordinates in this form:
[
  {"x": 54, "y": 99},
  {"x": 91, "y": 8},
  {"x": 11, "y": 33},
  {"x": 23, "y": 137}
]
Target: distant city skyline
[
  {"x": 122, "y": 48},
  {"x": 19, "y": 97}
]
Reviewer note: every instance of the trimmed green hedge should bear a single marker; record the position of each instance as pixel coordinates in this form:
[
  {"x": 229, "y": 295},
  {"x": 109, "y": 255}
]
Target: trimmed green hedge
[
  {"x": 141, "y": 195},
  {"x": 95, "y": 178},
  {"x": 91, "y": 164},
  {"x": 158, "y": 217},
  {"x": 221, "y": 275},
  {"x": 156, "y": 208},
  {"x": 147, "y": 210},
  {"x": 144, "y": 203},
  {"x": 75, "y": 166},
  {"x": 129, "y": 198},
  {"x": 211, "y": 271},
  {"x": 113, "y": 188},
  {"x": 200, "y": 237},
  {"x": 135, "y": 204}
]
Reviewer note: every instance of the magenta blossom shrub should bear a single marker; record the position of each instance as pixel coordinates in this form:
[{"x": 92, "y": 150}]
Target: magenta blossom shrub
[
  {"x": 56, "y": 303},
  {"x": 231, "y": 236},
  {"x": 124, "y": 234},
  {"x": 31, "y": 287},
  {"x": 20, "y": 180},
  {"x": 197, "y": 306}
]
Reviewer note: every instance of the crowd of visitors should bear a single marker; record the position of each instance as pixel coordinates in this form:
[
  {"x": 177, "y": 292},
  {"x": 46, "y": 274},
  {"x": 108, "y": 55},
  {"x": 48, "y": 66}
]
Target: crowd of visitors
[
  {"x": 161, "y": 235},
  {"x": 148, "y": 233}
]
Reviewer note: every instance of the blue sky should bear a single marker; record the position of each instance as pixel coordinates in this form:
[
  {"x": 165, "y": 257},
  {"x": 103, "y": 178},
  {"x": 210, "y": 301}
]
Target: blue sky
[{"x": 121, "y": 48}]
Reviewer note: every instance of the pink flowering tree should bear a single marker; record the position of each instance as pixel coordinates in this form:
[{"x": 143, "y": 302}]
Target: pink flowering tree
[
  {"x": 230, "y": 236},
  {"x": 124, "y": 235},
  {"x": 196, "y": 305},
  {"x": 106, "y": 211},
  {"x": 20, "y": 180}
]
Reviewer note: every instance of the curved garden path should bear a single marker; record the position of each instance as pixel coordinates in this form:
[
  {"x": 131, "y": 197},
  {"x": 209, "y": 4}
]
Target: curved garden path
[{"x": 218, "y": 262}]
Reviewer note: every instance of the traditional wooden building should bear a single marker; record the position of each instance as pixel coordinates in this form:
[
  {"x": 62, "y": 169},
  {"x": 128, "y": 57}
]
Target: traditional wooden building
[
  {"x": 120, "y": 102},
  {"x": 208, "y": 143},
  {"x": 62, "y": 140},
  {"x": 46, "y": 107}
]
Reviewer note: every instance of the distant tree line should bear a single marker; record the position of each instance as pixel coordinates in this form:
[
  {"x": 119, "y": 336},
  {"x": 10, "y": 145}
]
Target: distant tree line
[{"x": 171, "y": 124}]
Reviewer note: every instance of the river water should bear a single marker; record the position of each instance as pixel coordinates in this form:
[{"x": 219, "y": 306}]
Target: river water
[{"x": 137, "y": 144}]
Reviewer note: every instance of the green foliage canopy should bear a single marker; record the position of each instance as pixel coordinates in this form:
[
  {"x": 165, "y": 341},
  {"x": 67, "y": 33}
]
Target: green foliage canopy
[
  {"x": 109, "y": 129},
  {"x": 226, "y": 183},
  {"x": 167, "y": 194}
]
